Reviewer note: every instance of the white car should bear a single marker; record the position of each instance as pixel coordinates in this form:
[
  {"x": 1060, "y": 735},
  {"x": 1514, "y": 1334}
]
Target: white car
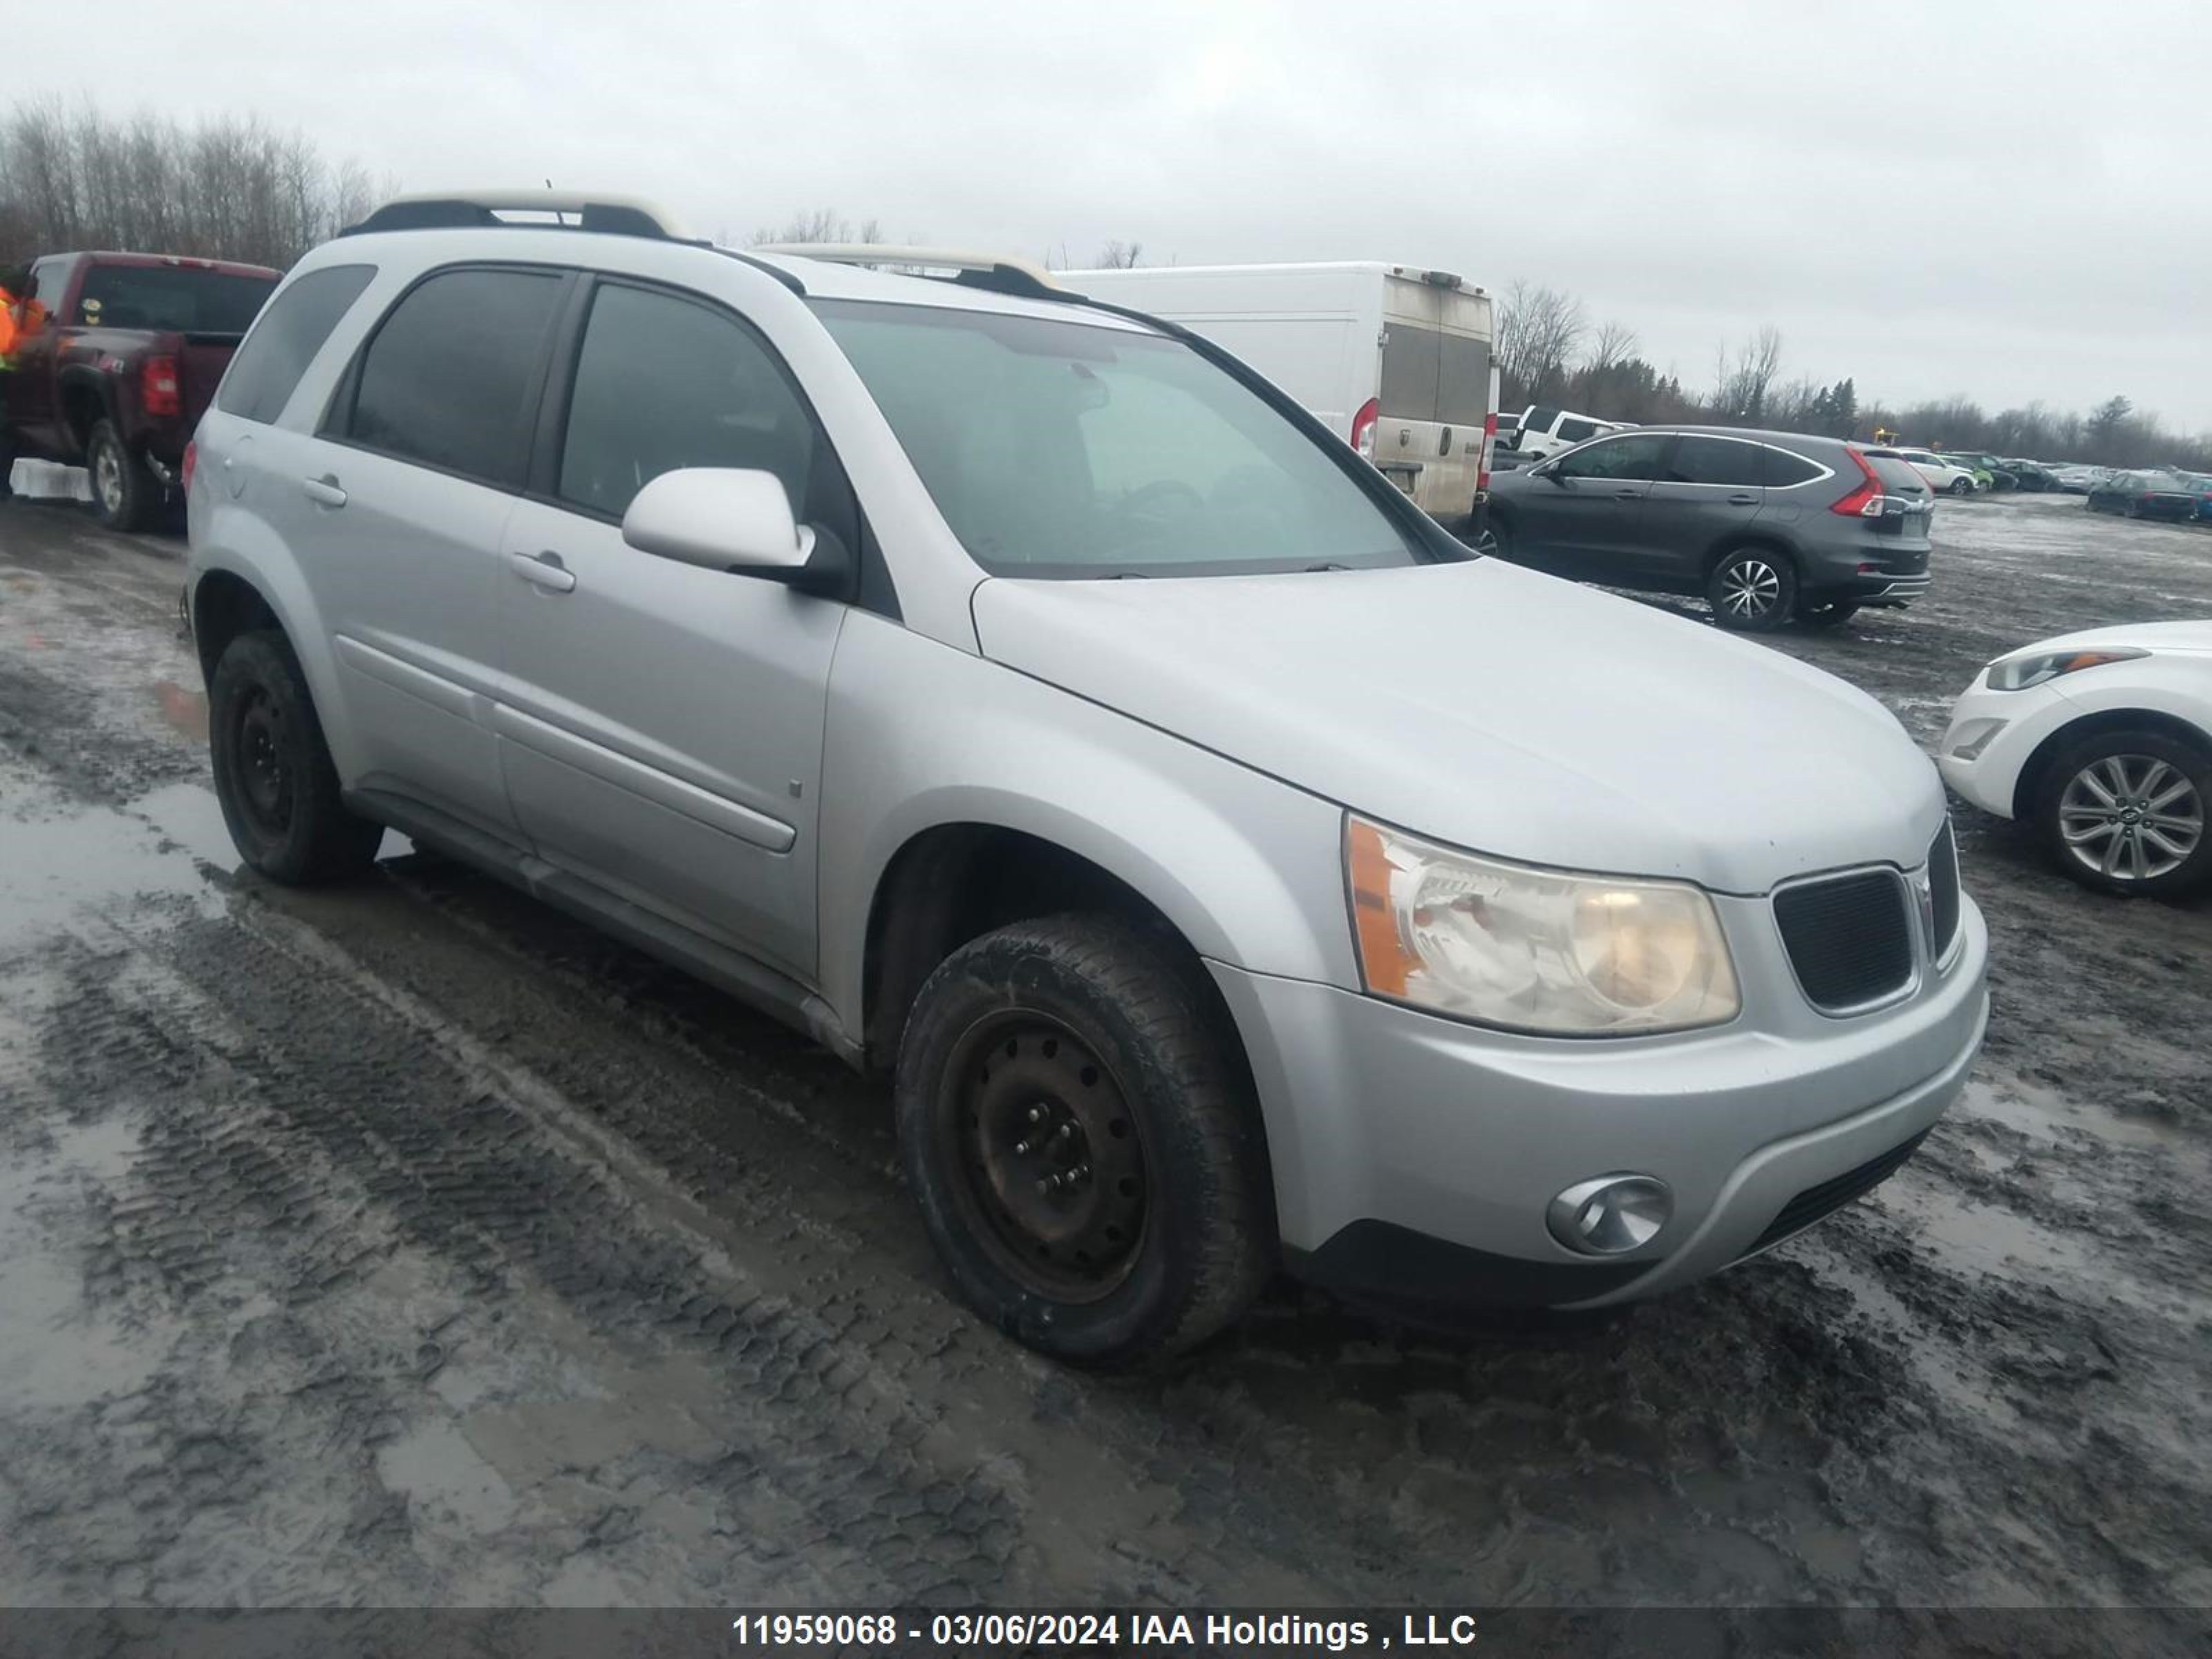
[
  {"x": 1947, "y": 475},
  {"x": 2103, "y": 740}
]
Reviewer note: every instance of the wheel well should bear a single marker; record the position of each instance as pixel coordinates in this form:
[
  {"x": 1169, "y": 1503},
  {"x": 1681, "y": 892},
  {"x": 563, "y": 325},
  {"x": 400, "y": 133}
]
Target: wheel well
[
  {"x": 223, "y": 607},
  {"x": 957, "y": 882},
  {"x": 1760, "y": 539},
  {"x": 2029, "y": 784}
]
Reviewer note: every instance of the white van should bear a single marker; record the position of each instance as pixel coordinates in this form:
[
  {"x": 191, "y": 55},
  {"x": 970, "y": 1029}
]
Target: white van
[
  {"x": 1394, "y": 359},
  {"x": 1546, "y": 431}
]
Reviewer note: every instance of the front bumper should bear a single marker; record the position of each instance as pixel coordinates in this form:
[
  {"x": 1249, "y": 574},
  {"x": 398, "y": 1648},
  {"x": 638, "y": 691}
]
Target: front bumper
[
  {"x": 1414, "y": 1155},
  {"x": 1990, "y": 778}
]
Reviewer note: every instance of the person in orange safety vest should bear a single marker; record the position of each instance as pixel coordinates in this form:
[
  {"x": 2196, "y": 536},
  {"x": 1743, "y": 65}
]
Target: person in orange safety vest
[{"x": 22, "y": 316}]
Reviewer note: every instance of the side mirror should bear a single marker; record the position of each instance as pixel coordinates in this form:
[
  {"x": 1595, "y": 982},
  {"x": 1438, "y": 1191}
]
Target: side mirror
[
  {"x": 1550, "y": 470},
  {"x": 737, "y": 521}
]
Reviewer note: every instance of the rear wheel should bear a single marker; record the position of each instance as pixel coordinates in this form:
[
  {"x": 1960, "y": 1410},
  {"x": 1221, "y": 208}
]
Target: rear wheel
[
  {"x": 1833, "y": 613},
  {"x": 2125, "y": 812},
  {"x": 1752, "y": 589},
  {"x": 273, "y": 774},
  {"x": 1088, "y": 1159},
  {"x": 124, "y": 493}
]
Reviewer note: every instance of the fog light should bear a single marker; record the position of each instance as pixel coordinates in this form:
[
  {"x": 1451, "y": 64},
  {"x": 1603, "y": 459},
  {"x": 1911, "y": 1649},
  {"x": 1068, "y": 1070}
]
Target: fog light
[
  {"x": 1965, "y": 742},
  {"x": 1609, "y": 1214}
]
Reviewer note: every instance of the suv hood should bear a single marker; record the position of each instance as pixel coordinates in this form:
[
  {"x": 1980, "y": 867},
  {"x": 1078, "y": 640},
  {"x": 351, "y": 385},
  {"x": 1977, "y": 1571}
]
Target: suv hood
[{"x": 1498, "y": 710}]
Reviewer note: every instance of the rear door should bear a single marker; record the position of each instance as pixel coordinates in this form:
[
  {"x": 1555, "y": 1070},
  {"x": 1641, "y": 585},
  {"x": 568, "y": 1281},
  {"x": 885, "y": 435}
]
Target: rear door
[
  {"x": 1711, "y": 488},
  {"x": 397, "y": 509},
  {"x": 660, "y": 727},
  {"x": 1434, "y": 393}
]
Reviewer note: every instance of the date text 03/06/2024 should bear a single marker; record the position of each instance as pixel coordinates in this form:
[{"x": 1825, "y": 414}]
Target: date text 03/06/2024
[{"x": 1085, "y": 1629}]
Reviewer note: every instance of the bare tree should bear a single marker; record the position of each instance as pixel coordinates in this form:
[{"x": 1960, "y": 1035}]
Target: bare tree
[
  {"x": 1612, "y": 345},
  {"x": 1741, "y": 382},
  {"x": 1538, "y": 331},
  {"x": 819, "y": 225},
  {"x": 1120, "y": 255}
]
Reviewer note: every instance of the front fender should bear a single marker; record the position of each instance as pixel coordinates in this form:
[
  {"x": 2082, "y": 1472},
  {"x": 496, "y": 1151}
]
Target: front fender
[{"x": 1247, "y": 868}]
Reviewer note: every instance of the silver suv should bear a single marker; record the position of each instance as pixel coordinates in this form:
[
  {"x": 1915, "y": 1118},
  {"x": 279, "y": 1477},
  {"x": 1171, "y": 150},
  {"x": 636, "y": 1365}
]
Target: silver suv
[{"x": 1031, "y": 702}]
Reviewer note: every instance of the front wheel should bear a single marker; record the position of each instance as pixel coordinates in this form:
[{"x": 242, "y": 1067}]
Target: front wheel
[
  {"x": 1962, "y": 486},
  {"x": 1088, "y": 1159},
  {"x": 125, "y": 492},
  {"x": 2123, "y": 813},
  {"x": 1753, "y": 590}
]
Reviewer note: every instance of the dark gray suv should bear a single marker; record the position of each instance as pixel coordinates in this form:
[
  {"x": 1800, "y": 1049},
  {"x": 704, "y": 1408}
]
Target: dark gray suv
[{"x": 1770, "y": 526}]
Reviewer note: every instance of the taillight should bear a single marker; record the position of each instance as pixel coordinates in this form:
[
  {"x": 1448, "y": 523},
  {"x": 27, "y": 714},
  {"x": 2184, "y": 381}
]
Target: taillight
[
  {"x": 191, "y": 465},
  {"x": 1489, "y": 444},
  {"x": 157, "y": 386},
  {"x": 1865, "y": 502},
  {"x": 1363, "y": 427}
]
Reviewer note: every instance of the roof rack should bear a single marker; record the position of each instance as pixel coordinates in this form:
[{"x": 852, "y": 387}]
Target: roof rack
[
  {"x": 615, "y": 215},
  {"x": 991, "y": 271}
]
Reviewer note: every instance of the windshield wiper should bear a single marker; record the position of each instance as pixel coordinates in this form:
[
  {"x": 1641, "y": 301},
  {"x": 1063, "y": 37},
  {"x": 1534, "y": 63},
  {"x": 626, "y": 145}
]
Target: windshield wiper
[{"x": 1327, "y": 565}]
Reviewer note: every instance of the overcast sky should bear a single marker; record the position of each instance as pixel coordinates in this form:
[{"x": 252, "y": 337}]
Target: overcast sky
[{"x": 2009, "y": 201}]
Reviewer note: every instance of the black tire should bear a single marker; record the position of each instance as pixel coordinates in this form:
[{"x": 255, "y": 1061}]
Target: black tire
[
  {"x": 126, "y": 494},
  {"x": 1832, "y": 613},
  {"x": 272, "y": 770},
  {"x": 1165, "y": 1230},
  {"x": 1753, "y": 590},
  {"x": 2128, "y": 758},
  {"x": 1496, "y": 538}
]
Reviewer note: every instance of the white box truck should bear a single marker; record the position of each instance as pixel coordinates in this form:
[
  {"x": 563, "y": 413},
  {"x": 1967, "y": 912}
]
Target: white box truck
[{"x": 1394, "y": 359}]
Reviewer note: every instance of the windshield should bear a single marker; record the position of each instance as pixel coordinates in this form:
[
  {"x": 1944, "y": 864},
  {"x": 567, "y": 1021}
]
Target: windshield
[
  {"x": 1065, "y": 449},
  {"x": 173, "y": 298}
]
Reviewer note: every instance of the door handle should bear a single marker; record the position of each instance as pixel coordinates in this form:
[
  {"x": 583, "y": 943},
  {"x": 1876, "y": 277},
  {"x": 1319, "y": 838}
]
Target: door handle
[
  {"x": 324, "y": 491},
  {"x": 1628, "y": 495},
  {"x": 544, "y": 570},
  {"x": 1743, "y": 501}
]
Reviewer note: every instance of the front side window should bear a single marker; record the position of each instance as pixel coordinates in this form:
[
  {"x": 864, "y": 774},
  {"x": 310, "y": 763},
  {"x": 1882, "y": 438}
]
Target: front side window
[
  {"x": 446, "y": 380},
  {"x": 1067, "y": 449},
  {"x": 285, "y": 341},
  {"x": 1539, "y": 419},
  {"x": 1638, "y": 455},
  {"x": 1702, "y": 460},
  {"x": 179, "y": 299},
  {"x": 663, "y": 383},
  {"x": 49, "y": 280}
]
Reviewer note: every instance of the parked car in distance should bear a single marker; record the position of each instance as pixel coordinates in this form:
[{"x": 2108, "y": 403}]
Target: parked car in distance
[
  {"x": 1546, "y": 431},
  {"x": 2200, "y": 486},
  {"x": 1769, "y": 526},
  {"x": 2146, "y": 495},
  {"x": 1940, "y": 471},
  {"x": 2032, "y": 477},
  {"x": 2081, "y": 480},
  {"x": 134, "y": 345},
  {"x": 1394, "y": 358},
  {"x": 2102, "y": 741},
  {"x": 1989, "y": 472},
  {"x": 1029, "y": 701}
]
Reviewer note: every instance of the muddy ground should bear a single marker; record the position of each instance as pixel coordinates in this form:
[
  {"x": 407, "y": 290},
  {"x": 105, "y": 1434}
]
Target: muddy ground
[{"x": 408, "y": 1244}]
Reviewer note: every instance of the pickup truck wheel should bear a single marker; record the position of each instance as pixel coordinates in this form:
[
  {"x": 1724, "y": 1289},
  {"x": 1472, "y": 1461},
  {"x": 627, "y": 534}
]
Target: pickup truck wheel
[
  {"x": 1087, "y": 1155},
  {"x": 1753, "y": 590},
  {"x": 125, "y": 494},
  {"x": 272, "y": 770}
]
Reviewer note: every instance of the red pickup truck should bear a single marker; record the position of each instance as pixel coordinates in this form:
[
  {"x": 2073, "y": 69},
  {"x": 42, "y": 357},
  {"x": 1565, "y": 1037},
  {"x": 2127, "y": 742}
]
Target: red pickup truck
[{"x": 129, "y": 358}]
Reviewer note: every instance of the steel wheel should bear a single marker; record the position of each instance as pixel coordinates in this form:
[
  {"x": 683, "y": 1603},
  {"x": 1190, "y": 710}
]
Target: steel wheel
[
  {"x": 264, "y": 780},
  {"x": 2131, "y": 818},
  {"x": 1052, "y": 1171},
  {"x": 1750, "y": 589}
]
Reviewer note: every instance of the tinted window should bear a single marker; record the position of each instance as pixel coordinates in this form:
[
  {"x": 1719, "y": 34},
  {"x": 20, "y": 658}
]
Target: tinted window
[
  {"x": 1463, "y": 381},
  {"x": 1539, "y": 419},
  {"x": 1713, "y": 461},
  {"x": 49, "y": 277},
  {"x": 1897, "y": 475},
  {"x": 664, "y": 383},
  {"x": 1784, "y": 469},
  {"x": 180, "y": 298},
  {"x": 447, "y": 378},
  {"x": 1409, "y": 372},
  {"x": 1638, "y": 455},
  {"x": 1573, "y": 431},
  {"x": 285, "y": 341},
  {"x": 1061, "y": 448}
]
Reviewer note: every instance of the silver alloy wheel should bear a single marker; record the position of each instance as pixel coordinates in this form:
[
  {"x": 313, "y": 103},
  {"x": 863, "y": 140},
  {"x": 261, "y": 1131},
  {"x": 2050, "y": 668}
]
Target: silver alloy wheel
[
  {"x": 1750, "y": 587},
  {"x": 2131, "y": 818},
  {"x": 1486, "y": 542},
  {"x": 107, "y": 478}
]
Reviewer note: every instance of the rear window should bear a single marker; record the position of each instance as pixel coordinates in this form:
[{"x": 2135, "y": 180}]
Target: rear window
[
  {"x": 1410, "y": 367},
  {"x": 282, "y": 345},
  {"x": 447, "y": 379},
  {"x": 178, "y": 299},
  {"x": 1896, "y": 473}
]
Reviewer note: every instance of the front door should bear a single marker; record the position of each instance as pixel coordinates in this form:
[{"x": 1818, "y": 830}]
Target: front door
[
  {"x": 1584, "y": 516},
  {"x": 660, "y": 728}
]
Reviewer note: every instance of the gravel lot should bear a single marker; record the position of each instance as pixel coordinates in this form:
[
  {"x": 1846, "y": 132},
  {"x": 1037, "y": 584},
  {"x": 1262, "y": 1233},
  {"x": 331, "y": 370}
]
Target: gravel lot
[{"x": 408, "y": 1244}]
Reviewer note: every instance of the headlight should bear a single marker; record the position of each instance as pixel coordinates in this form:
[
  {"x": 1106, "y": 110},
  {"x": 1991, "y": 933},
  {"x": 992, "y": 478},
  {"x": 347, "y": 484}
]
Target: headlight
[
  {"x": 1533, "y": 950},
  {"x": 2018, "y": 673}
]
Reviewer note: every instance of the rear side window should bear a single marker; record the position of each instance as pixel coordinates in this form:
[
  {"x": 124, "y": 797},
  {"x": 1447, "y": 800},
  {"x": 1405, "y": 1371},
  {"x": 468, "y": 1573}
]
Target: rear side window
[
  {"x": 1573, "y": 432},
  {"x": 1784, "y": 468},
  {"x": 449, "y": 377},
  {"x": 286, "y": 339},
  {"x": 664, "y": 383},
  {"x": 1700, "y": 460}
]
